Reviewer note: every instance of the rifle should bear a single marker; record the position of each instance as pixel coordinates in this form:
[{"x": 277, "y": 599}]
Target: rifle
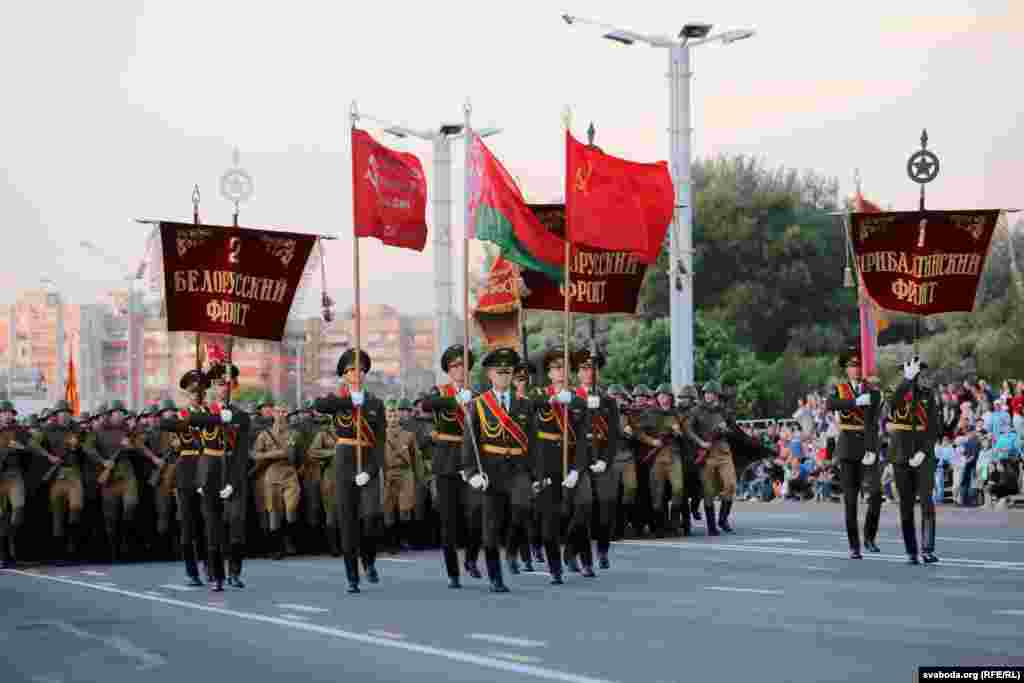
[
  {"x": 72, "y": 442},
  {"x": 104, "y": 476},
  {"x": 168, "y": 458}
]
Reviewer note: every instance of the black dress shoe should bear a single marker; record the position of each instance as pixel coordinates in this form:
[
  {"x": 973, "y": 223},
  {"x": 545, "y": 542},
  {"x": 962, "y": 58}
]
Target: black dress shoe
[
  {"x": 473, "y": 570},
  {"x": 194, "y": 581},
  {"x": 572, "y": 565},
  {"x": 235, "y": 581},
  {"x": 513, "y": 566},
  {"x": 602, "y": 561},
  {"x": 912, "y": 559},
  {"x": 929, "y": 558},
  {"x": 725, "y": 526},
  {"x": 353, "y": 588},
  {"x": 556, "y": 580},
  {"x": 453, "y": 582},
  {"x": 855, "y": 555},
  {"x": 498, "y": 587},
  {"x": 218, "y": 587},
  {"x": 871, "y": 547},
  {"x": 371, "y": 574},
  {"x": 588, "y": 572},
  {"x": 528, "y": 567}
]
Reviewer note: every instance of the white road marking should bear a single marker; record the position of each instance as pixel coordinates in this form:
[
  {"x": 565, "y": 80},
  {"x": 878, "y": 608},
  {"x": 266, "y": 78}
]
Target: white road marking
[
  {"x": 387, "y": 634},
  {"x": 178, "y": 587},
  {"x": 730, "y": 589},
  {"x": 154, "y": 593},
  {"x": 294, "y": 617},
  {"x": 507, "y": 640},
  {"x": 105, "y": 583},
  {"x": 958, "y": 539},
  {"x": 773, "y": 540},
  {"x": 397, "y": 559},
  {"x": 821, "y": 569},
  {"x": 525, "y": 659},
  {"x": 1010, "y": 612},
  {"x": 951, "y": 576},
  {"x": 92, "y": 573},
  {"x": 452, "y": 655},
  {"x": 147, "y": 660},
  {"x": 963, "y": 563},
  {"x": 303, "y": 608}
]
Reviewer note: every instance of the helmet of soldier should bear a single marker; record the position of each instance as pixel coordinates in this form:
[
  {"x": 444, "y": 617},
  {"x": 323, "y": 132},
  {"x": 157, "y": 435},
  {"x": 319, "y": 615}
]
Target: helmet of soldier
[
  {"x": 712, "y": 387},
  {"x": 664, "y": 389},
  {"x": 8, "y": 407}
]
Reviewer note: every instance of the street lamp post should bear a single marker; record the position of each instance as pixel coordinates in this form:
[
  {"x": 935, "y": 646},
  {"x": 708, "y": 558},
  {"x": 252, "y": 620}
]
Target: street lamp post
[
  {"x": 441, "y": 217},
  {"x": 680, "y": 272}
]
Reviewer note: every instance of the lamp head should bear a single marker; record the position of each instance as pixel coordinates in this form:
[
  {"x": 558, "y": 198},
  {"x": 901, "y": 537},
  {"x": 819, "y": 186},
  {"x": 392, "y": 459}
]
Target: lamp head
[
  {"x": 567, "y": 19},
  {"x": 394, "y": 131},
  {"x": 451, "y": 128},
  {"x": 735, "y": 36},
  {"x": 619, "y": 37},
  {"x": 695, "y": 31}
]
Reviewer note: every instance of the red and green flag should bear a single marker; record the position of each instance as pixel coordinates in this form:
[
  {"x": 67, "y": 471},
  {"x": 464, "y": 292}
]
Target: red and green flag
[{"x": 496, "y": 212}]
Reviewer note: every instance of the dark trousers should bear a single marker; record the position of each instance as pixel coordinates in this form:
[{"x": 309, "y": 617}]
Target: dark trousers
[
  {"x": 359, "y": 530},
  {"x": 456, "y": 513},
  {"x": 853, "y": 476},
  {"x": 913, "y": 483},
  {"x": 189, "y": 506}
]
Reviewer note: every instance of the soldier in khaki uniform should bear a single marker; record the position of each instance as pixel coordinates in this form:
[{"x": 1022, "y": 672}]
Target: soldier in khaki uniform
[
  {"x": 303, "y": 423},
  {"x": 667, "y": 466},
  {"x": 166, "y": 445},
  {"x": 15, "y": 448},
  {"x": 402, "y": 469},
  {"x": 709, "y": 428},
  {"x": 277, "y": 480},
  {"x": 120, "y": 448},
  {"x": 319, "y": 468},
  {"x": 63, "y": 439},
  {"x": 624, "y": 467}
]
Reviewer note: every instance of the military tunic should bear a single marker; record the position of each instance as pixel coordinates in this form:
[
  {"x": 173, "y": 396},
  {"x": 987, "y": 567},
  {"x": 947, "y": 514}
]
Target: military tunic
[
  {"x": 16, "y": 447},
  {"x": 402, "y": 469},
  {"x": 709, "y": 423},
  {"x": 277, "y": 480}
]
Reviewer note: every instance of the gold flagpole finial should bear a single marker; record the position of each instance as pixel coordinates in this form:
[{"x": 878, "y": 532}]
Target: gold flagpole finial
[
  {"x": 567, "y": 117},
  {"x": 856, "y": 180}
]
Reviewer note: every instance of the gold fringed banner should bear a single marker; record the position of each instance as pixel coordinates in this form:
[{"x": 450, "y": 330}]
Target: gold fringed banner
[{"x": 497, "y": 311}]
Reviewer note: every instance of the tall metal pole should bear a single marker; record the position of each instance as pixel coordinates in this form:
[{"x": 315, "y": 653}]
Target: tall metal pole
[
  {"x": 133, "y": 341},
  {"x": 300, "y": 350},
  {"x": 61, "y": 360},
  {"x": 12, "y": 342},
  {"x": 680, "y": 280},
  {"x": 443, "y": 275}
]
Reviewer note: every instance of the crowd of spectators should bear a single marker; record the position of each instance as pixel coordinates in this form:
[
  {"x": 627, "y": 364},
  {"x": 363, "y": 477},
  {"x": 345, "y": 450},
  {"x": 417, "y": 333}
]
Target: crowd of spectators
[{"x": 978, "y": 456}]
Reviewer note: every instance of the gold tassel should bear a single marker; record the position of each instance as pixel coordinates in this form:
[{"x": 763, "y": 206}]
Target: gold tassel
[{"x": 848, "y": 277}]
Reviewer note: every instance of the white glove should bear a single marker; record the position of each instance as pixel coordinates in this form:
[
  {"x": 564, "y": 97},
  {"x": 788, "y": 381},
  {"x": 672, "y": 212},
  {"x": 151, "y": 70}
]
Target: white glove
[
  {"x": 593, "y": 402},
  {"x": 563, "y": 397},
  {"x": 864, "y": 400},
  {"x": 226, "y": 492},
  {"x": 868, "y": 459},
  {"x": 357, "y": 398},
  {"x": 917, "y": 459},
  {"x": 225, "y": 416},
  {"x": 362, "y": 478},
  {"x": 911, "y": 368},
  {"x": 199, "y": 490},
  {"x": 571, "y": 479},
  {"x": 462, "y": 473},
  {"x": 599, "y": 467},
  {"x": 464, "y": 397},
  {"x": 479, "y": 482}
]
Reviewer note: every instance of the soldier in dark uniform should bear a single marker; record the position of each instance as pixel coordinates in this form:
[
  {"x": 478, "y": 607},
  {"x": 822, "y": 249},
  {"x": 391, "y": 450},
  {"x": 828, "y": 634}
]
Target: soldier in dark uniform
[
  {"x": 526, "y": 539},
  {"x": 858, "y": 405},
  {"x": 601, "y": 438},
  {"x": 555, "y": 409},
  {"x": 447, "y": 402},
  {"x": 914, "y": 426},
  {"x": 16, "y": 448},
  {"x": 359, "y": 425},
  {"x": 496, "y": 456},
  {"x": 709, "y": 428},
  {"x": 427, "y": 531}
]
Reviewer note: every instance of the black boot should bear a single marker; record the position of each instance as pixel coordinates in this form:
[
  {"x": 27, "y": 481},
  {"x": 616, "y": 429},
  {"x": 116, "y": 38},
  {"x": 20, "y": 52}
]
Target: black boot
[
  {"x": 602, "y": 559},
  {"x": 569, "y": 559},
  {"x": 277, "y": 543},
  {"x": 871, "y": 547},
  {"x": 554, "y": 562},
  {"x": 352, "y": 572},
  {"x": 471, "y": 568},
  {"x": 332, "y": 541},
  {"x": 513, "y": 563},
  {"x": 235, "y": 565},
  {"x": 451, "y": 565},
  {"x": 723, "y": 516},
  {"x": 493, "y": 559},
  {"x": 289, "y": 541},
  {"x": 695, "y": 508},
  {"x": 538, "y": 554},
  {"x": 709, "y": 513},
  {"x": 6, "y": 561},
  {"x": 928, "y": 540},
  {"x": 370, "y": 565}
]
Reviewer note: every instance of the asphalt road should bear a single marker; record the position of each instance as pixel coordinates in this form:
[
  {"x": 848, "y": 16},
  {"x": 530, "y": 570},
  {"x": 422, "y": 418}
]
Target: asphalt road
[{"x": 777, "y": 601}]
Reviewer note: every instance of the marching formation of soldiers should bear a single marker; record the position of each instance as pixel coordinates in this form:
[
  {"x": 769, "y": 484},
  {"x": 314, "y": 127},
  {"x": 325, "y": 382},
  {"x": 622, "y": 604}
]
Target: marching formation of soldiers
[{"x": 524, "y": 473}]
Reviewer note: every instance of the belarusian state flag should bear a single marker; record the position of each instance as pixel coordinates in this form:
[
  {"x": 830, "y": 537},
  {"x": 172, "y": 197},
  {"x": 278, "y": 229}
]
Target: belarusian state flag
[
  {"x": 496, "y": 212},
  {"x": 615, "y": 204}
]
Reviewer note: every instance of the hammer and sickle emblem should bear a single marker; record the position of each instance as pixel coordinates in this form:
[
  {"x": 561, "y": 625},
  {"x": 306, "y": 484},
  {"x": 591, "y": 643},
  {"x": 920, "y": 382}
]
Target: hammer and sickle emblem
[{"x": 583, "y": 177}]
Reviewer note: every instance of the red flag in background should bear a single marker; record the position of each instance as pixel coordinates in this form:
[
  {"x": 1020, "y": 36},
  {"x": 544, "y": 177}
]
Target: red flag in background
[
  {"x": 615, "y": 204},
  {"x": 71, "y": 388},
  {"x": 389, "y": 192}
]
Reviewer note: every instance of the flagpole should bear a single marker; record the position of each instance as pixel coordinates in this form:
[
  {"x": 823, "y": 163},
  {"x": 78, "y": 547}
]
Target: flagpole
[
  {"x": 195, "y": 220},
  {"x": 467, "y": 110},
  {"x": 357, "y": 413},
  {"x": 565, "y": 421}
]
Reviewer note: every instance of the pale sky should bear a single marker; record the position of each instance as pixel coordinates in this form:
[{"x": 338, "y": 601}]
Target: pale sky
[{"x": 113, "y": 110}]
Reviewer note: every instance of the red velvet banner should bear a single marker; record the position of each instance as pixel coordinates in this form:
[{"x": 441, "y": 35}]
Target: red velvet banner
[
  {"x": 234, "y": 281},
  {"x": 923, "y": 262}
]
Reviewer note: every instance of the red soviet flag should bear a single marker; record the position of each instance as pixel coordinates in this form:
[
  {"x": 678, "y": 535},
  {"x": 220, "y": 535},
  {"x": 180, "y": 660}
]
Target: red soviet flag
[
  {"x": 389, "y": 194},
  {"x": 614, "y": 204}
]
